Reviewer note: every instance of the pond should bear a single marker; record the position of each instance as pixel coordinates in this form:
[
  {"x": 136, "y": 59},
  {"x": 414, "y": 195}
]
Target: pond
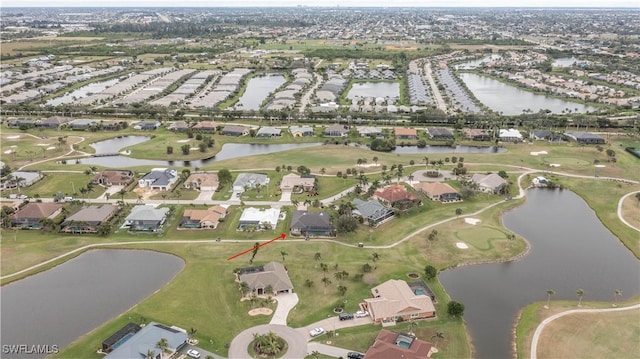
[
  {"x": 258, "y": 88},
  {"x": 511, "y": 100},
  {"x": 570, "y": 250},
  {"x": 59, "y": 305},
  {"x": 82, "y": 92},
  {"x": 405, "y": 150},
  {"x": 386, "y": 89},
  {"x": 228, "y": 151},
  {"x": 475, "y": 63}
]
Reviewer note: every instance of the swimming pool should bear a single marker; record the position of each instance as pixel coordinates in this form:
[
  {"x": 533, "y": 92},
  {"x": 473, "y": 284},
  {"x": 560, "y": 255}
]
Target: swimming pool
[
  {"x": 122, "y": 340},
  {"x": 418, "y": 292}
]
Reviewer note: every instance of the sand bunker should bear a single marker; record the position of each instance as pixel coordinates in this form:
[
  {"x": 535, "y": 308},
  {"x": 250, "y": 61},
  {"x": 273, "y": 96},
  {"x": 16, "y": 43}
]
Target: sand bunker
[
  {"x": 194, "y": 148},
  {"x": 43, "y": 144},
  {"x": 461, "y": 245},
  {"x": 50, "y": 148},
  {"x": 599, "y": 166},
  {"x": 539, "y": 153},
  {"x": 12, "y": 137},
  {"x": 472, "y": 221},
  {"x": 554, "y": 165},
  {"x": 8, "y": 152},
  {"x": 260, "y": 311},
  {"x": 183, "y": 141}
]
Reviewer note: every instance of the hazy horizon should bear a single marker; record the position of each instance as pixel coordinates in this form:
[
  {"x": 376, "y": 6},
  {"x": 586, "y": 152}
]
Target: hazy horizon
[{"x": 323, "y": 3}]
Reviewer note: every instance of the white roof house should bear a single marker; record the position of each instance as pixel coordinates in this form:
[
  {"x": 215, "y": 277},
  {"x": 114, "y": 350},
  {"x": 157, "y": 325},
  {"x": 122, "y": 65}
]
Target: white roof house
[
  {"x": 260, "y": 218},
  {"x": 489, "y": 182},
  {"x": 510, "y": 135}
]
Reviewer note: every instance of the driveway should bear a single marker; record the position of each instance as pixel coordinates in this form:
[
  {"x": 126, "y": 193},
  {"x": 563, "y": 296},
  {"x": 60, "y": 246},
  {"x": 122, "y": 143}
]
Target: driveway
[
  {"x": 328, "y": 350},
  {"x": 286, "y": 196},
  {"x": 205, "y": 195},
  {"x": 286, "y": 302},
  {"x": 297, "y": 342},
  {"x": 203, "y": 353}
]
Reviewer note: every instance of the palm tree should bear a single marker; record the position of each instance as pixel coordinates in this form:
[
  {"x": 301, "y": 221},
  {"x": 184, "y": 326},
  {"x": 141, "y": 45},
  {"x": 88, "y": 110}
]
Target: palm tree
[
  {"x": 317, "y": 257},
  {"x": 326, "y": 281},
  {"x": 437, "y": 336},
  {"x": 315, "y": 354},
  {"x": 324, "y": 267},
  {"x": 580, "y": 293},
  {"x": 411, "y": 326},
  {"x": 283, "y": 253},
  {"x": 151, "y": 354},
  {"x": 308, "y": 283},
  {"x": 617, "y": 293},
  {"x": 342, "y": 290},
  {"x": 323, "y": 170},
  {"x": 162, "y": 344},
  {"x": 122, "y": 192},
  {"x": 374, "y": 257},
  {"x": 550, "y": 293},
  {"x": 192, "y": 333}
]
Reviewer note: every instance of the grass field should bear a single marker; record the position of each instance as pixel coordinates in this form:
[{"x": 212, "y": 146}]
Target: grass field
[{"x": 631, "y": 211}]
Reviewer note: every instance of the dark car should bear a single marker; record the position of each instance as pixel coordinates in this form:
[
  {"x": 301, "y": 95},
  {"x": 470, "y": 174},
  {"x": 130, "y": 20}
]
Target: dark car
[
  {"x": 355, "y": 355},
  {"x": 345, "y": 316}
]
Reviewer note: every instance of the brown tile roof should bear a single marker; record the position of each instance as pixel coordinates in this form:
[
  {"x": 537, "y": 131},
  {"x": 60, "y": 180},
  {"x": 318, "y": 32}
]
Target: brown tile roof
[
  {"x": 212, "y": 214},
  {"x": 385, "y": 347},
  {"x": 394, "y": 193},
  {"x": 37, "y": 210},
  {"x": 434, "y": 188},
  {"x": 395, "y": 297},
  {"x": 402, "y": 131}
]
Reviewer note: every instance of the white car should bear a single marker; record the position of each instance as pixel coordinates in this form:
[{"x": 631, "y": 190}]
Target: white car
[
  {"x": 316, "y": 331},
  {"x": 361, "y": 314},
  {"x": 192, "y": 353}
]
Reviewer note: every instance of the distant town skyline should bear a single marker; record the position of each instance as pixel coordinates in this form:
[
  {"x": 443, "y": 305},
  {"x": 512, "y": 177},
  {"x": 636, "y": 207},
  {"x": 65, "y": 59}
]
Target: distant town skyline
[{"x": 326, "y": 3}]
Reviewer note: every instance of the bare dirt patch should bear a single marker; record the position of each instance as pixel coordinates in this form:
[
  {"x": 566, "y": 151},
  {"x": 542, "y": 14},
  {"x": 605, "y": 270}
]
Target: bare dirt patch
[
  {"x": 260, "y": 311},
  {"x": 404, "y": 48}
]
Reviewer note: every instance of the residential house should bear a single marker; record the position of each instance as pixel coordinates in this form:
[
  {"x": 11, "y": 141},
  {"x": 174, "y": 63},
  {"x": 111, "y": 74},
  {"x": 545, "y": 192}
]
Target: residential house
[
  {"x": 403, "y": 133},
  {"x": 336, "y": 131},
  {"x": 372, "y": 211},
  {"x": 116, "y": 338},
  {"x": 235, "y": 130},
  {"x": 144, "y": 341},
  {"x": 394, "y": 299},
  {"x": 368, "y": 131},
  {"x": 88, "y": 219},
  {"x": 202, "y": 181},
  {"x": 272, "y": 275},
  {"x": 438, "y": 191},
  {"x": 540, "y": 182},
  {"x": 178, "y": 126},
  {"x": 146, "y": 218},
  {"x": 260, "y": 219},
  {"x": 205, "y": 126},
  {"x": 32, "y": 214},
  {"x": 113, "y": 178},
  {"x": 268, "y": 132},
  {"x": 541, "y": 135},
  {"x": 54, "y": 122},
  {"x": 161, "y": 179},
  {"x": 304, "y": 223},
  {"x": 398, "y": 345},
  {"x": 298, "y": 184},
  {"x": 491, "y": 183},
  {"x": 476, "y": 134},
  {"x": 510, "y": 135},
  {"x": 586, "y": 138},
  {"x": 147, "y": 125},
  {"x": 85, "y": 124},
  {"x": 22, "y": 122},
  {"x": 203, "y": 218},
  {"x": 395, "y": 195},
  {"x": 440, "y": 133},
  {"x": 301, "y": 131},
  {"x": 22, "y": 179},
  {"x": 249, "y": 180}
]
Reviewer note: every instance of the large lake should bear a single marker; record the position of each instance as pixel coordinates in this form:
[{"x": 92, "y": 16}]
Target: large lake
[
  {"x": 257, "y": 91},
  {"x": 59, "y": 305},
  {"x": 511, "y": 100},
  {"x": 374, "y": 89},
  {"x": 570, "y": 250}
]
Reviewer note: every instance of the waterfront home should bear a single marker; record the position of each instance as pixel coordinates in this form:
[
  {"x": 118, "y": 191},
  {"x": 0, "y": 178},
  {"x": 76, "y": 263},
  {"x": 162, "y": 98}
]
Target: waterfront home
[
  {"x": 440, "y": 133},
  {"x": 235, "y": 130},
  {"x": 394, "y": 300},
  {"x": 369, "y": 131},
  {"x": 510, "y": 135},
  {"x": 31, "y": 215},
  {"x": 147, "y": 125},
  {"x": 403, "y": 133},
  {"x": 305, "y": 223},
  {"x": 113, "y": 178},
  {"x": 268, "y": 132},
  {"x": 138, "y": 344},
  {"x": 249, "y": 180},
  {"x": 399, "y": 345},
  {"x": 336, "y": 131},
  {"x": 298, "y": 184},
  {"x": 272, "y": 276},
  {"x": 476, "y": 134},
  {"x": 586, "y": 138},
  {"x": 205, "y": 126},
  {"x": 301, "y": 131},
  {"x": 146, "y": 218}
]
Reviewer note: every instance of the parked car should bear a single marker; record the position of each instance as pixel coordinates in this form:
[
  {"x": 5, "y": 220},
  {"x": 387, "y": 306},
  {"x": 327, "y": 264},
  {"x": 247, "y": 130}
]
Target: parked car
[
  {"x": 316, "y": 331},
  {"x": 192, "y": 353},
  {"x": 355, "y": 355},
  {"x": 345, "y": 316},
  {"x": 361, "y": 314}
]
